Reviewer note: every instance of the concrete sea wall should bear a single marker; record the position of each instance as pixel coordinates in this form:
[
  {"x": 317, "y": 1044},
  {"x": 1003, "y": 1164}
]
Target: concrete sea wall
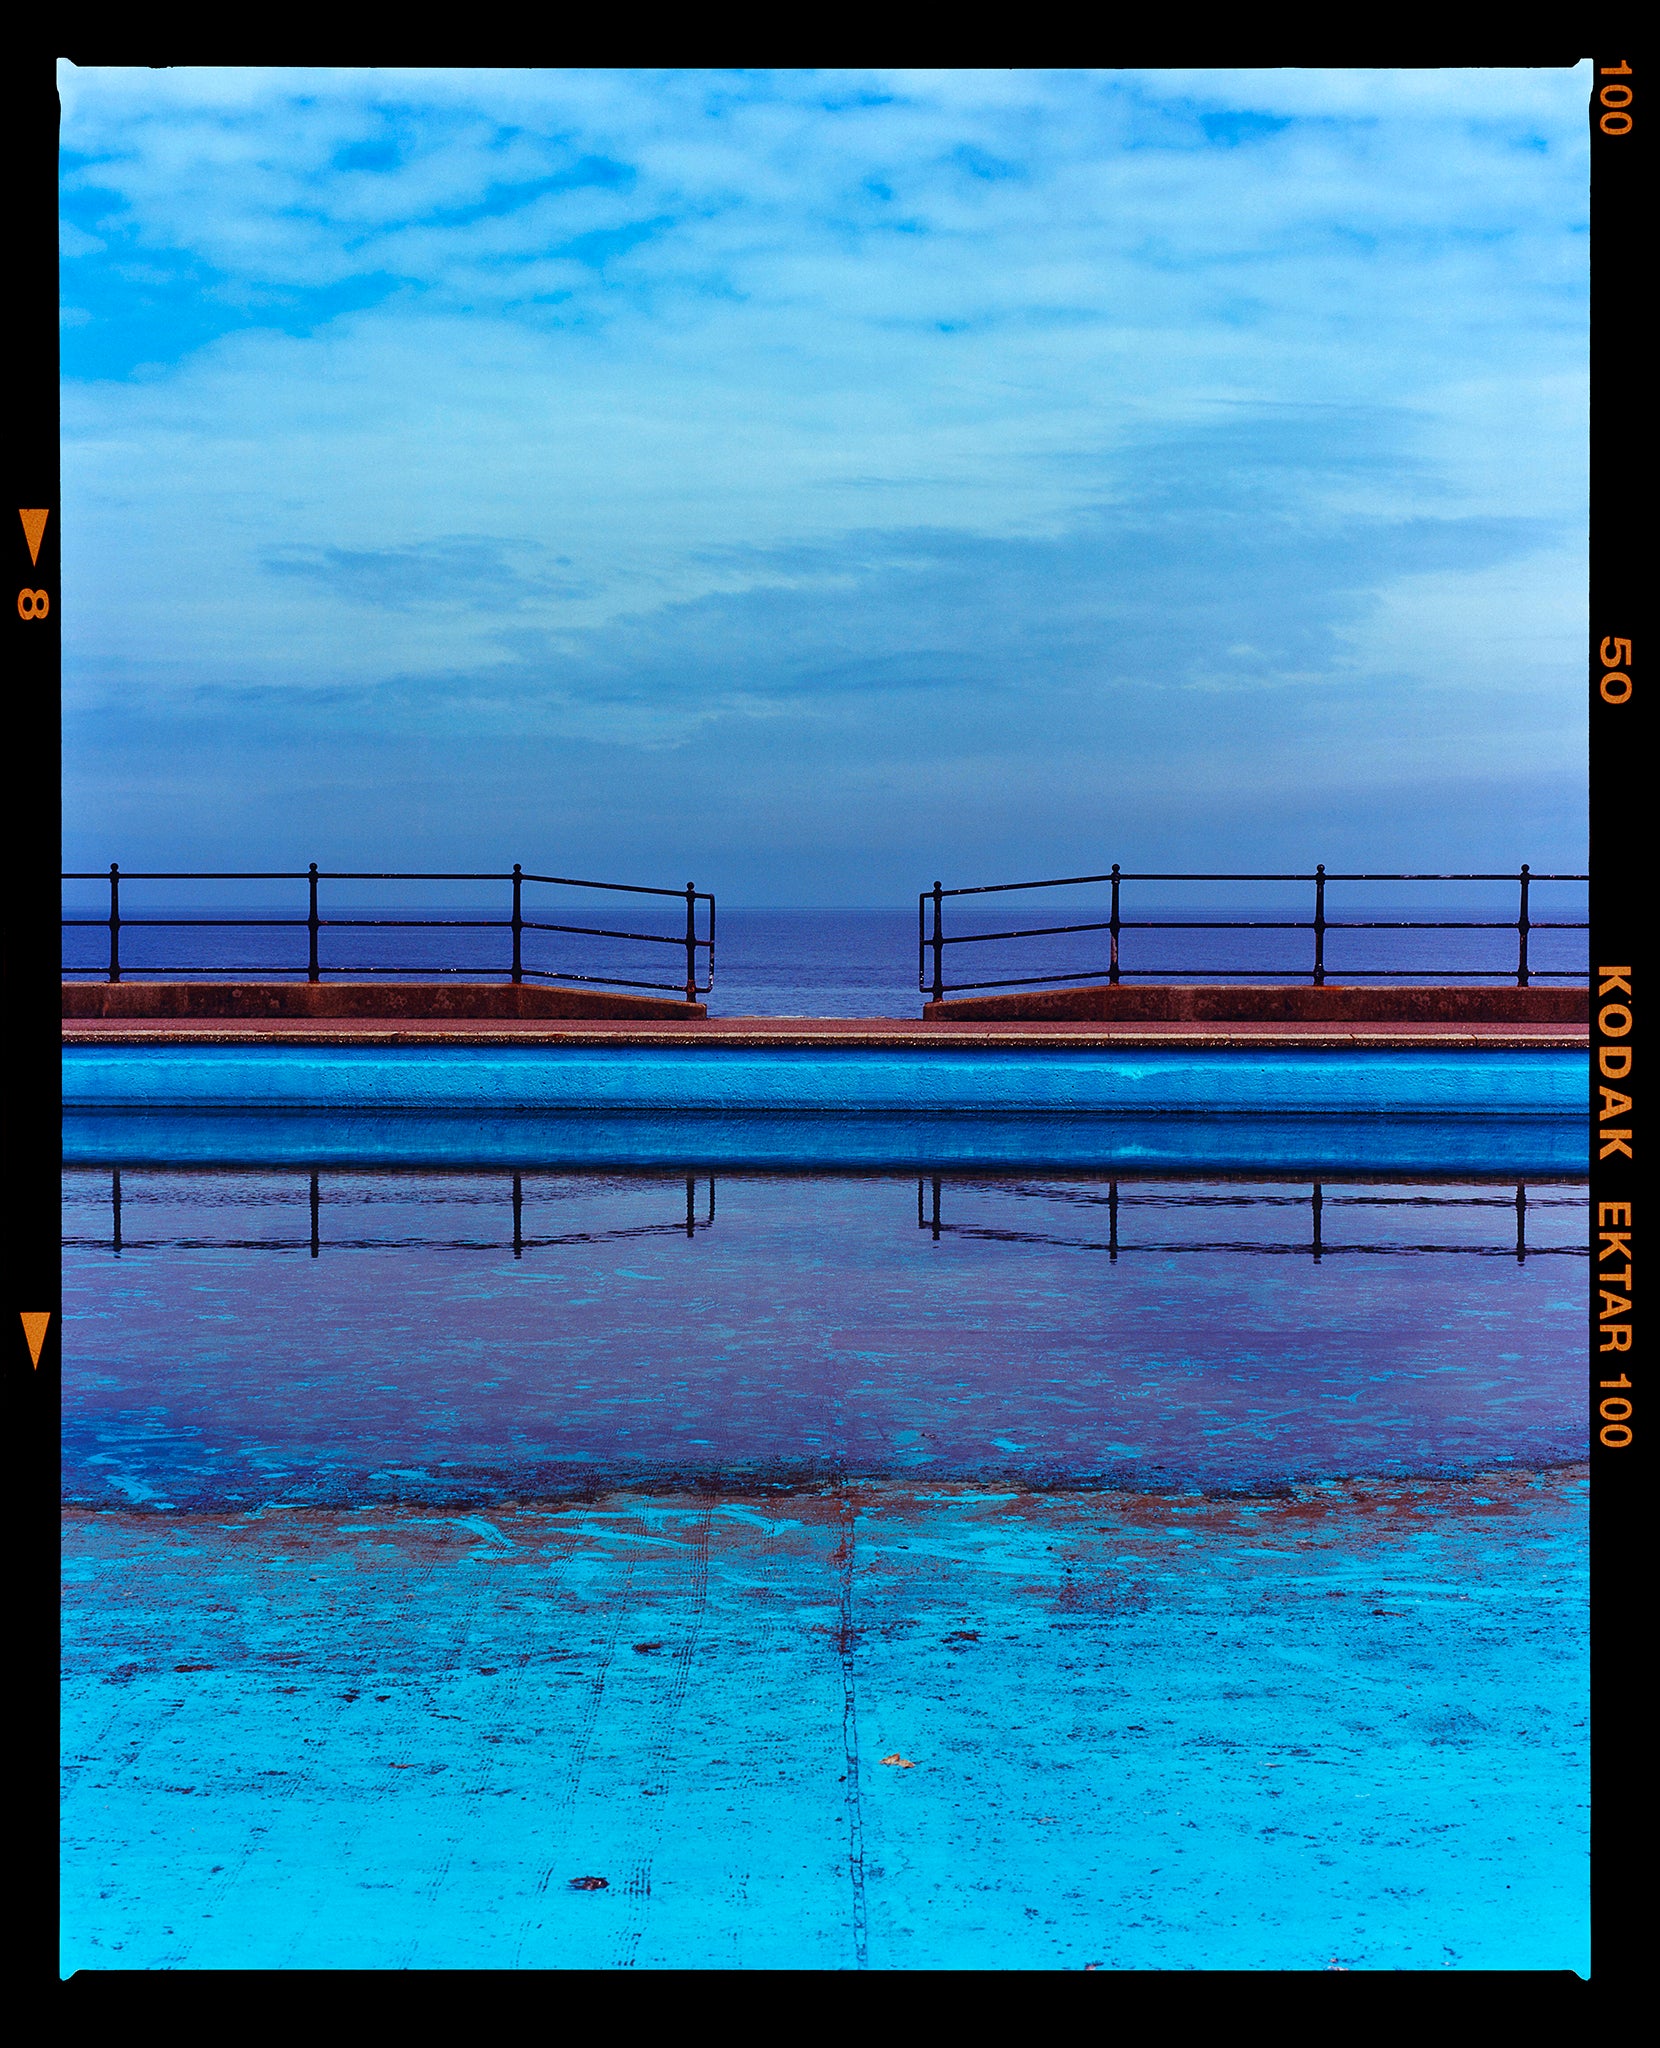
[{"x": 1209, "y": 1003}]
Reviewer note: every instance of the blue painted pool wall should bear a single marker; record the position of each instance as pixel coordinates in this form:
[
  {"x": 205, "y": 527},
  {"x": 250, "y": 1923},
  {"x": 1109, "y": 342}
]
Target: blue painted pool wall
[{"x": 1158, "y": 1081}]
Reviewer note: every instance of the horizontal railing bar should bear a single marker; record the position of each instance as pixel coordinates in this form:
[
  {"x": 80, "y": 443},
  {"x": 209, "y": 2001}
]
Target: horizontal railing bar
[
  {"x": 490, "y": 977},
  {"x": 561, "y": 881},
  {"x": 1252, "y": 924},
  {"x": 196, "y": 875},
  {"x": 1125, "y": 924},
  {"x": 986, "y": 1234},
  {"x": 1329, "y": 1201},
  {"x": 1497, "y": 975},
  {"x": 274, "y": 924},
  {"x": 414, "y": 924},
  {"x": 629, "y": 888},
  {"x": 386, "y": 1244},
  {"x": 1306, "y": 924},
  {"x": 1124, "y": 875},
  {"x": 612, "y": 980},
  {"x": 1501, "y": 924},
  {"x": 596, "y": 932},
  {"x": 368, "y": 875},
  {"x": 1513, "y": 876}
]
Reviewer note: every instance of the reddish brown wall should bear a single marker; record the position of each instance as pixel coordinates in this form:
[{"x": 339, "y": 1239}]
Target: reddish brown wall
[
  {"x": 1213, "y": 1004},
  {"x": 357, "y": 999}
]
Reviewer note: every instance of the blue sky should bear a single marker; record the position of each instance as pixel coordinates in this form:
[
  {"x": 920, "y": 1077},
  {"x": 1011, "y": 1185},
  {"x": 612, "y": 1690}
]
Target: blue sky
[{"x": 813, "y": 483}]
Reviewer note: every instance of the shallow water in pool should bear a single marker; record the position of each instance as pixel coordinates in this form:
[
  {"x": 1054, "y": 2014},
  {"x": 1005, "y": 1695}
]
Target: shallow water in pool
[{"x": 408, "y": 1335}]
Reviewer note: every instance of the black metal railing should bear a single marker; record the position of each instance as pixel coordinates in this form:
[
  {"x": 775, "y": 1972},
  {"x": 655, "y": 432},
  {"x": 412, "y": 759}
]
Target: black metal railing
[
  {"x": 935, "y": 939},
  {"x": 1114, "y": 1234},
  {"x": 690, "y": 942}
]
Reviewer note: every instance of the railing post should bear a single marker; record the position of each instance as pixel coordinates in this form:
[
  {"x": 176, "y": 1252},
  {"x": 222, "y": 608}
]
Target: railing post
[
  {"x": 1521, "y": 1222},
  {"x": 1522, "y": 930},
  {"x": 518, "y": 1217},
  {"x": 518, "y": 923},
  {"x": 1112, "y": 1220},
  {"x": 316, "y": 1217},
  {"x": 115, "y": 922},
  {"x": 115, "y": 1210},
  {"x": 1319, "y": 939},
  {"x": 1112, "y": 970},
  {"x": 938, "y": 943},
  {"x": 312, "y": 971},
  {"x": 691, "y": 944},
  {"x": 1317, "y": 1203}
]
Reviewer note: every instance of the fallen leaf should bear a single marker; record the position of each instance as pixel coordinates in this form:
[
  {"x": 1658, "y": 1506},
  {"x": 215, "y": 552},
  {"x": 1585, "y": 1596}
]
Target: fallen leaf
[
  {"x": 590, "y": 1884},
  {"x": 903, "y": 1762}
]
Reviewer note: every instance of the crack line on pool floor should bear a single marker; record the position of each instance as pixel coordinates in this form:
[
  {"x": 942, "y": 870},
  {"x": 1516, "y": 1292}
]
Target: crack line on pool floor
[{"x": 842, "y": 1557}]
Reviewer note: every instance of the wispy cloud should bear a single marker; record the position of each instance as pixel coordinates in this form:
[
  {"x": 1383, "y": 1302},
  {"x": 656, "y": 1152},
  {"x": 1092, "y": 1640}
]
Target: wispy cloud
[{"x": 436, "y": 573}]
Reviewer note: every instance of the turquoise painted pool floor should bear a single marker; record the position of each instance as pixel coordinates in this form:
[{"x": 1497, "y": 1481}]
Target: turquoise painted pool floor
[{"x": 1343, "y": 1724}]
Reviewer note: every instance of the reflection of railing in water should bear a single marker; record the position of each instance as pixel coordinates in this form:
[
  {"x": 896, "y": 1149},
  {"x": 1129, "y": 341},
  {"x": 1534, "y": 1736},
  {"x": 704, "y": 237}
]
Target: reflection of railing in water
[
  {"x": 928, "y": 1217},
  {"x": 1113, "y": 1196},
  {"x": 119, "y": 1241}
]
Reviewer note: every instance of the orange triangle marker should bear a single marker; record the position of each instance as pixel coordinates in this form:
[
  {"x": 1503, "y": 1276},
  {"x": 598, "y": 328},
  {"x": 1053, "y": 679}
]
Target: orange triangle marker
[
  {"x": 34, "y": 531},
  {"x": 34, "y": 1329}
]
